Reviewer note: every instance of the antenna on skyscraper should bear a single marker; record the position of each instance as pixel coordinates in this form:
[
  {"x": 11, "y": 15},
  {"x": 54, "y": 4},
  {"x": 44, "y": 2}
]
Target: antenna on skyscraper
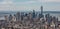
[{"x": 41, "y": 8}]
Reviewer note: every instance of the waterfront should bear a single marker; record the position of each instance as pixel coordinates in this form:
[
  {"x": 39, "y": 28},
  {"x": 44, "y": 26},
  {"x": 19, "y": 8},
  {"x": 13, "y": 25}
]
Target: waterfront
[
  {"x": 56, "y": 14},
  {"x": 30, "y": 20}
]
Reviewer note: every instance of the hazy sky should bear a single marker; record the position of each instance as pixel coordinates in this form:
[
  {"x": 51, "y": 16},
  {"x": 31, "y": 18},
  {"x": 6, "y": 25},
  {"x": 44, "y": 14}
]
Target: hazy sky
[{"x": 17, "y": 5}]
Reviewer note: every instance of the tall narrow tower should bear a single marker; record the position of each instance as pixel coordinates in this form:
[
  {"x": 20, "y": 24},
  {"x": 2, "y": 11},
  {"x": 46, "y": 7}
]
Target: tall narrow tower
[
  {"x": 41, "y": 10},
  {"x": 33, "y": 13}
]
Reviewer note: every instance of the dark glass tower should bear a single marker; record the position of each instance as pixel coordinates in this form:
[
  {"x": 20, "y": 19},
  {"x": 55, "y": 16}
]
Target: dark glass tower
[
  {"x": 33, "y": 13},
  {"x": 41, "y": 10},
  {"x": 18, "y": 16},
  {"x": 10, "y": 17}
]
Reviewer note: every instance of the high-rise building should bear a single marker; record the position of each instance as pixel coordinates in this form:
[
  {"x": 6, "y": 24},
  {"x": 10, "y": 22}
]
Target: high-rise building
[
  {"x": 30, "y": 16},
  {"x": 22, "y": 15},
  {"x": 14, "y": 18},
  {"x": 48, "y": 18},
  {"x": 6, "y": 17},
  {"x": 39, "y": 16},
  {"x": 18, "y": 16},
  {"x": 33, "y": 14},
  {"x": 41, "y": 10},
  {"x": 26, "y": 14},
  {"x": 10, "y": 17}
]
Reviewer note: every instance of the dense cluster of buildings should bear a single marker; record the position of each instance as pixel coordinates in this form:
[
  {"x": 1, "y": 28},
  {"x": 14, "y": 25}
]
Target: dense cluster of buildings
[{"x": 31, "y": 20}]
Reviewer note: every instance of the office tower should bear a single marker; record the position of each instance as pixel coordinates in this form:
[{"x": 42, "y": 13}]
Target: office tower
[
  {"x": 48, "y": 18},
  {"x": 26, "y": 14},
  {"x": 6, "y": 17},
  {"x": 10, "y": 17},
  {"x": 14, "y": 18},
  {"x": 39, "y": 16},
  {"x": 41, "y": 11},
  {"x": 55, "y": 19},
  {"x": 22, "y": 15},
  {"x": 30, "y": 17},
  {"x": 18, "y": 16},
  {"x": 33, "y": 14}
]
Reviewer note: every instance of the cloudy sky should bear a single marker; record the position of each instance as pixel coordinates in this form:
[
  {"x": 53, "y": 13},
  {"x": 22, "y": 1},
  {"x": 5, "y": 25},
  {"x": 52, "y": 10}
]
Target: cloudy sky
[{"x": 24, "y": 5}]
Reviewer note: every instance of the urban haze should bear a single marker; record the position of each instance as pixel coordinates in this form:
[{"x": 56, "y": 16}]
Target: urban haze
[{"x": 29, "y": 14}]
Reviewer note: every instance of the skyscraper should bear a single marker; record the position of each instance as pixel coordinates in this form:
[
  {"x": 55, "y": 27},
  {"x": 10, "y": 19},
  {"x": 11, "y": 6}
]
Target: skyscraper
[
  {"x": 6, "y": 17},
  {"x": 22, "y": 15},
  {"x": 48, "y": 18},
  {"x": 18, "y": 16},
  {"x": 33, "y": 13},
  {"x": 41, "y": 10},
  {"x": 10, "y": 17}
]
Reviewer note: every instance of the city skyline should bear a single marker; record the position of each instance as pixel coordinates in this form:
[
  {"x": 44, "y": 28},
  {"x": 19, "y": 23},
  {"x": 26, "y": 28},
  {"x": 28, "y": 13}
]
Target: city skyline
[{"x": 20, "y": 5}]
